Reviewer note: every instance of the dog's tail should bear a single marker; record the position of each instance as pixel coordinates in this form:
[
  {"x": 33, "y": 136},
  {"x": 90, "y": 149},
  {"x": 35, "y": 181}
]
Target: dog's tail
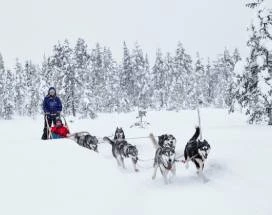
[
  {"x": 108, "y": 140},
  {"x": 152, "y": 137},
  {"x": 196, "y": 134}
]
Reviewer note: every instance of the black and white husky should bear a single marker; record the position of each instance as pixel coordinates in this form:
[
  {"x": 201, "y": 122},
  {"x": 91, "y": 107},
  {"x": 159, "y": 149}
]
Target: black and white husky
[
  {"x": 86, "y": 140},
  {"x": 164, "y": 156},
  {"x": 197, "y": 151},
  {"x": 122, "y": 149}
]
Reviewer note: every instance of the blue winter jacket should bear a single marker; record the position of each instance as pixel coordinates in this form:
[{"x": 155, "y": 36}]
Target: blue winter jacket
[{"x": 52, "y": 104}]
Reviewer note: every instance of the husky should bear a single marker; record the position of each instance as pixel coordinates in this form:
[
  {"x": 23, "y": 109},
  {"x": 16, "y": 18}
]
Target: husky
[
  {"x": 122, "y": 149},
  {"x": 86, "y": 140},
  {"x": 164, "y": 156},
  {"x": 119, "y": 134},
  {"x": 197, "y": 151}
]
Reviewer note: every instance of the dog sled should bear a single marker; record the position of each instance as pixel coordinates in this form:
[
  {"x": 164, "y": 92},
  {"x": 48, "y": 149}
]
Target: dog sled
[{"x": 71, "y": 135}]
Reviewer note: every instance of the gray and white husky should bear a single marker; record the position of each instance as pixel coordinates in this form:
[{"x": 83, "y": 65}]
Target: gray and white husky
[
  {"x": 85, "y": 140},
  {"x": 121, "y": 149},
  {"x": 164, "y": 156}
]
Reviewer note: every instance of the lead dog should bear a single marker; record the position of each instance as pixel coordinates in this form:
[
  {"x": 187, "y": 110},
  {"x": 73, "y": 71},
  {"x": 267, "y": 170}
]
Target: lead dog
[
  {"x": 85, "y": 140},
  {"x": 164, "y": 156},
  {"x": 197, "y": 151},
  {"x": 119, "y": 134},
  {"x": 122, "y": 149}
]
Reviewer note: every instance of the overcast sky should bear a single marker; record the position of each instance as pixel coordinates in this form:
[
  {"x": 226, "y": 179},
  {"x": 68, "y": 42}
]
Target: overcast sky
[{"x": 30, "y": 28}]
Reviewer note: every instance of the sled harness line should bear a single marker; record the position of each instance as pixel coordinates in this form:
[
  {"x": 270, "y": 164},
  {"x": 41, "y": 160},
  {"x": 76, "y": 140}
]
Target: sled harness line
[
  {"x": 183, "y": 161},
  {"x": 152, "y": 159},
  {"x": 132, "y": 138},
  {"x": 142, "y": 167},
  {"x": 145, "y": 160}
]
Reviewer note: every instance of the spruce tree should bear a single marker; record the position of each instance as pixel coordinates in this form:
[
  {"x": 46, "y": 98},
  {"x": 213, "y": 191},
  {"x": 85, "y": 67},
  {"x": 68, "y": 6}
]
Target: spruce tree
[
  {"x": 159, "y": 79},
  {"x": 66, "y": 82},
  {"x": 253, "y": 87},
  {"x": 200, "y": 84},
  {"x": 182, "y": 84},
  {"x": 126, "y": 80},
  {"x": 33, "y": 100},
  {"x": 20, "y": 88},
  {"x": 2, "y": 85},
  {"x": 140, "y": 72},
  {"x": 81, "y": 59},
  {"x": 8, "y": 97}
]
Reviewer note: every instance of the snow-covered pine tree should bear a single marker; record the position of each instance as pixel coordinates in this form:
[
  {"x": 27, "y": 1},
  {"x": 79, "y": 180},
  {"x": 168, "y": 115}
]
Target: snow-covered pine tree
[
  {"x": 138, "y": 66},
  {"x": 169, "y": 70},
  {"x": 209, "y": 92},
  {"x": 20, "y": 88},
  {"x": 253, "y": 87},
  {"x": 126, "y": 80},
  {"x": 232, "y": 88},
  {"x": 246, "y": 91},
  {"x": 8, "y": 97},
  {"x": 63, "y": 65},
  {"x": 223, "y": 76},
  {"x": 81, "y": 58},
  {"x": 32, "y": 99},
  {"x": 236, "y": 57},
  {"x": 159, "y": 80},
  {"x": 112, "y": 92},
  {"x": 46, "y": 77},
  {"x": 146, "y": 94},
  {"x": 97, "y": 79},
  {"x": 49, "y": 77},
  {"x": 229, "y": 65},
  {"x": 2, "y": 85},
  {"x": 200, "y": 83},
  {"x": 140, "y": 77},
  {"x": 254, "y": 3},
  {"x": 182, "y": 86}
]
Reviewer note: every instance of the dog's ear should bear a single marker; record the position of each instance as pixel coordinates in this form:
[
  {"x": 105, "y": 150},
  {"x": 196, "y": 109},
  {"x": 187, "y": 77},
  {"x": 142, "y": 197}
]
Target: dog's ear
[
  {"x": 160, "y": 138},
  {"x": 164, "y": 137}
]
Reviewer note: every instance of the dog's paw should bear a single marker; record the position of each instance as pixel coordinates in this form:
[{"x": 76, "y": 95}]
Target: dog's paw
[
  {"x": 137, "y": 170},
  {"x": 153, "y": 177},
  {"x": 186, "y": 165}
]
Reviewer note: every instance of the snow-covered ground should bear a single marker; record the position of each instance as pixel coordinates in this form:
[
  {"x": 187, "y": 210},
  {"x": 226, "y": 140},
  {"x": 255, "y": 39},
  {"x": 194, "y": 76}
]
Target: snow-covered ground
[{"x": 59, "y": 177}]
